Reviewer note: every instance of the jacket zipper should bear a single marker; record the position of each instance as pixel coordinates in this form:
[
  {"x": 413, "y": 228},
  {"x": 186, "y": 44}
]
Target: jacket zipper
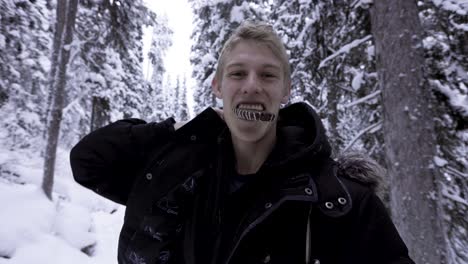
[
  {"x": 244, "y": 233},
  {"x": 260, "y": 219},
  {"x": 308, "y": 237},
  {"x": 220, "y": 178}
]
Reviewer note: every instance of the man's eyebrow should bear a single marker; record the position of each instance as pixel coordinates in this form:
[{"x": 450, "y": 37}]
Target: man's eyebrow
[
  {"x": 276, "y": 67},
  {"x": 235, "y": 65},
  {"x": 266, "y": 65}
]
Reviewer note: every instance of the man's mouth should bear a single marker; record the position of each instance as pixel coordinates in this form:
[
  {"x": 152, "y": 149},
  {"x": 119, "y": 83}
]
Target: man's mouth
[{"x": 253, "y": 112}]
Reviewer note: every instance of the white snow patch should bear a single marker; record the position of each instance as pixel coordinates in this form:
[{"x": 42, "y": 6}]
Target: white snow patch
[
  {"x": 48, "y": 249},
  {"x": 27, "y": 214},
  {"x": 95, "y": 78},
  {"x": 440, "y": 162},
  {"x": 107, "y": 228},
  {"x": 370, "y": 52},
  {"x": 236, "y": 12},
  {"x": 208, "y": 59},
  {"x": 458, "y": 6},
  {"x": 74, "y": 224},
  {"x": 45, "y": 63},
  {"x": 2, "y": 42},
  {"x": 37, "y": 230},
  {"x": 357, "y": 81}
]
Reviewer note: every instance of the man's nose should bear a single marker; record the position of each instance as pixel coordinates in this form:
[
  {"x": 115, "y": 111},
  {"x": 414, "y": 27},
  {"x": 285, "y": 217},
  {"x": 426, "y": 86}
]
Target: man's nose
[{"x": 252, "y": 84}]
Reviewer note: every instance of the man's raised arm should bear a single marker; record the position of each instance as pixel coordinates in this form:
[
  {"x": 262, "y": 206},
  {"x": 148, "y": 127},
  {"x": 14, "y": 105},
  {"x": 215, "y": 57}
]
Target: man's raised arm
[{"x": 108, "y": 160}]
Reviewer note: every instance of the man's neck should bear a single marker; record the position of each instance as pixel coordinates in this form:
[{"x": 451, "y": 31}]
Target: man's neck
[{"x": 250, "y": 156}]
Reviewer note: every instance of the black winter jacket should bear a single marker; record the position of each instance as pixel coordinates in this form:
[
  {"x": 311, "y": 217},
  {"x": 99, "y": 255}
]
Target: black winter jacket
[{"x": 303, "y": 209}]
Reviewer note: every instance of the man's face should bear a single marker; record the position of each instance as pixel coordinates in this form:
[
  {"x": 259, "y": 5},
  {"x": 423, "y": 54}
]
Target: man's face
[{"x": 253, "y": 79}]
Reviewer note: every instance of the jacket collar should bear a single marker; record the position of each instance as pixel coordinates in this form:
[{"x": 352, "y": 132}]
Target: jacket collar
[
  {"x": 301, "y": 134},
  {"x": 205, "y": 127},
  {"x": 301, "y": 138}
]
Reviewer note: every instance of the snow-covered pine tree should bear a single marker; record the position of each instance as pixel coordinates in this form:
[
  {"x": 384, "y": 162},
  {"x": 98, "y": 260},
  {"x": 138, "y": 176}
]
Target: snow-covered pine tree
[
  {"x": 24, "y": 43},
  {"x": 88, "y": 107},
  {"x": 350, "y": 72},
  {"x": 305, "y": 27},
  {"x": 175, "y": 98},
  {"x": 183, "y": 113},
  {"x": 294, "y": 21},
  {"x": 446, "y": 49},
  {"x": 127, "y": 19},
  {"x": 332, "y": 66},
  {"x": 161, "y": 41},
  {"x": 108, "y": 82},
  {"x": 168, "y": 95},
  {"x": 214, "y": 21}
]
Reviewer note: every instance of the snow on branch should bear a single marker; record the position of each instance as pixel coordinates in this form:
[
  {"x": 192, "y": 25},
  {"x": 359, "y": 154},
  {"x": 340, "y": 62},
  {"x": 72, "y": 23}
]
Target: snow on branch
[
  {"x": 457, "y": 172},
  {"x": 345, "y": 88},
  {"x": 454, "y": 197},
  {"x": 74, "y": 102},
  {"x": 345, "y": 49},
  {"x": 457, "y": 100},
  {"x": 362, "y": 3},
  {"x": 463, "y": 26},
  {"x": 70, "y": 105},
  {"x": 458, "y": 7},
  {"x": 373, "y": 127},
  {"x": 363, "y": 99}
]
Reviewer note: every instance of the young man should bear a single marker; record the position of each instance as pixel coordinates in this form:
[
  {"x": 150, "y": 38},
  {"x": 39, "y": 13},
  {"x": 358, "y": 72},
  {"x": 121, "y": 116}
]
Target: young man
[{"x": 250, "y": 184}]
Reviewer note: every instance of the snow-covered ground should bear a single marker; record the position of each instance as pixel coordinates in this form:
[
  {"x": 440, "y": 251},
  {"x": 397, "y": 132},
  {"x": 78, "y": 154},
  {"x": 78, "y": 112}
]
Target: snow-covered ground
[{"x": 78, "y": 226}]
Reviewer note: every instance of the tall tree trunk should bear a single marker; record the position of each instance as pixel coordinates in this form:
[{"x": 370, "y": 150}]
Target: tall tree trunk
[
  {"x": 332, "y": 105},
  {"x": 408, "y": 129},
  {"x": 100, "y": 113},
  {"x": 66, "y": 25},
  {"x": 60, "y": 21}
]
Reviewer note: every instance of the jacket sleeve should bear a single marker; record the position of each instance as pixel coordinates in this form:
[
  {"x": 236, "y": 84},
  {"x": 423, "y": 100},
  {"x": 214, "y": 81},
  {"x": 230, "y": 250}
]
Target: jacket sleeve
[
  {"x": 108, "y": 160},
  {"x": 378, "y": 233}
]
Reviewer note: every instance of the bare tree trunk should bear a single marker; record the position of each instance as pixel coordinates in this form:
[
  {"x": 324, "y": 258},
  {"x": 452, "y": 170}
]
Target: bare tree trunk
[
  {"x": 408, "y": 128},
  {"x": 66, "y": 25},
  {"x": 100, "y": 113},
  {"x": 332, "y": 105},
  {"x": 60, "y": 22}
]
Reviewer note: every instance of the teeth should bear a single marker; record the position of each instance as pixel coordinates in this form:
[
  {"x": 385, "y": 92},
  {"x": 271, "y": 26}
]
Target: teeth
[
  {"x": 254, "y": 115},
  {"x": 257, "y": 107}
]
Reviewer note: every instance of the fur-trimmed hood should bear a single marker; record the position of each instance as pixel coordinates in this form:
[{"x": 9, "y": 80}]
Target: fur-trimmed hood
[
  {"x": 301, "y": 135},
  {"x": 362, "y": 168}
]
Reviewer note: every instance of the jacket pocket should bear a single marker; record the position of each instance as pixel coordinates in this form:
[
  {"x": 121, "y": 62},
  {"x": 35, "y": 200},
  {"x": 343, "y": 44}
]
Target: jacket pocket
[{"x": 154, "y": 241}]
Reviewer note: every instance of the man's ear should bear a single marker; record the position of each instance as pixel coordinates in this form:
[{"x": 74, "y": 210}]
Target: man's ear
[
  {"x": 287, "y": 93},
  {"x": 215, "y": 86}
]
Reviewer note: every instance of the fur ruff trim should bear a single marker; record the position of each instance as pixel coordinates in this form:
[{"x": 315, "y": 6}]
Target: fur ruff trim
[{"x": 363, "y": 169}]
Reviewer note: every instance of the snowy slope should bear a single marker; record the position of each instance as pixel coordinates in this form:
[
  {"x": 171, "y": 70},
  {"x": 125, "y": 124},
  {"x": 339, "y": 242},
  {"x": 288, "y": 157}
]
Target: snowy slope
[{"x": 78, "y": 226}]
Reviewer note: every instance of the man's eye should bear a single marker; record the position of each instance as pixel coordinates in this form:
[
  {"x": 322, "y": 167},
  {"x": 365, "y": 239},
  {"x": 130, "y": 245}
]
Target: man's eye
[
  {"x": 269, "y": 75},
  {"x": 237, "y": 74}
]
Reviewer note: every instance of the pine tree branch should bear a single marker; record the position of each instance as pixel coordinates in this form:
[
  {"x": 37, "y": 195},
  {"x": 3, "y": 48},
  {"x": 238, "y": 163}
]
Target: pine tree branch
[
  {"x": 345, "y": 49},
  {"x": 363, "y": 99},
  {"x": 361, "y": 133}
]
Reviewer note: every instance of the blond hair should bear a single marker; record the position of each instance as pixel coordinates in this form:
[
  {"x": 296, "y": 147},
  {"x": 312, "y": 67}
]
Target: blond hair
[{"x": 260, "y": 32}]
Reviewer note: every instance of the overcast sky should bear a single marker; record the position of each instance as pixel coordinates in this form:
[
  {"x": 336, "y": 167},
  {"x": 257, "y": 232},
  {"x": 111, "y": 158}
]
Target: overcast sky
[
  {"x": 177, "y": 61},
  {"x": 180, "y": 15}
]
